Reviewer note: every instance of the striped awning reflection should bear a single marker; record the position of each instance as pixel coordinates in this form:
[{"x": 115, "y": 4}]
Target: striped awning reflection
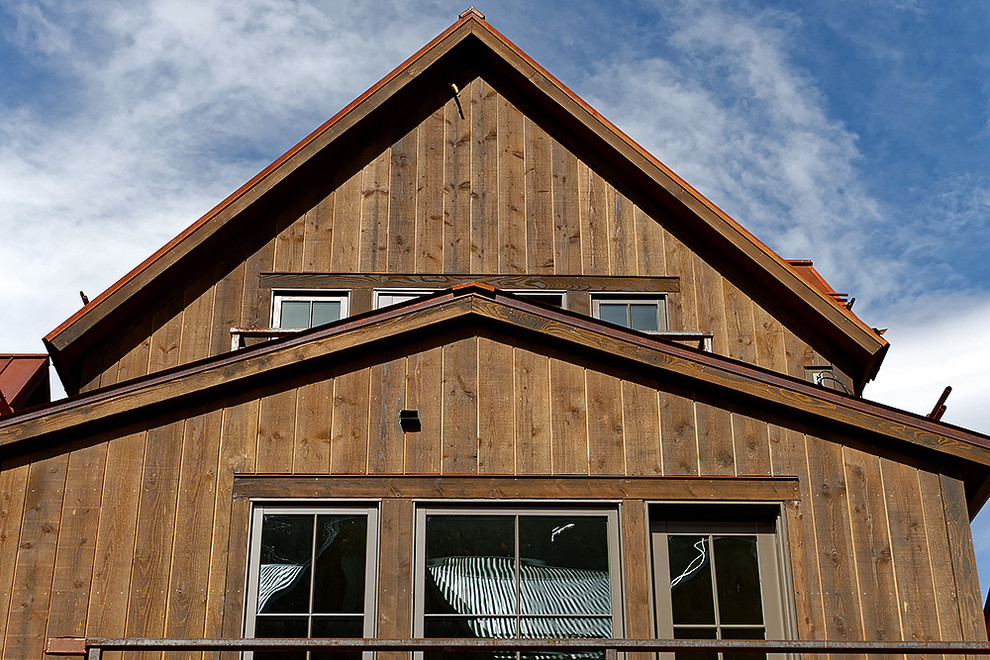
[{"x": 569, "y": 602}]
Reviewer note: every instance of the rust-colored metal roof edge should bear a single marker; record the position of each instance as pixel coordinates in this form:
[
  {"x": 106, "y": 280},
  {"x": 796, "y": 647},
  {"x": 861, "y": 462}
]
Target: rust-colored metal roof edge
[
  {"x": 473, "y": 24},
  {"x": 834, "y": 409}
]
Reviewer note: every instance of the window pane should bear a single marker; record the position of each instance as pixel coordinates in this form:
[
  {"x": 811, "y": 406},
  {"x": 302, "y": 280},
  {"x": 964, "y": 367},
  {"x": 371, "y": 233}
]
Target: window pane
[
  {"x": 325, "y": 311},
  {"x": 564, "y": 565},
  {"x": 737, "y": 574},
  {"x": 470, "y": 627},
  {"x": 277, "y": 627},
  {"x": 295, "y": 314},
  {"x": 613, "y": 313},
  {"x": 742, "y": 633},
  {"x": 286, "y": 552},
  {"x": 587, "y": 627},
  {"x": 470, "y": 565},
  {"x": 348, "y": 626},
  {"x": 695, "y": 633},
  {"x": 643, "y": 317},
  {"x": 690, "y": 580},
  {"x": 341, "y": 544}
]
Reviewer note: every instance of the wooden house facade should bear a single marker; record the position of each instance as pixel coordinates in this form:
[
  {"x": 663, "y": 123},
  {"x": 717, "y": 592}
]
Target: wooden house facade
[{"x": 469, "y": 363}]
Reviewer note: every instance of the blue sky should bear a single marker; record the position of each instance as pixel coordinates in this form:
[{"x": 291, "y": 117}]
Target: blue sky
[{"x": 853, "y": 133}]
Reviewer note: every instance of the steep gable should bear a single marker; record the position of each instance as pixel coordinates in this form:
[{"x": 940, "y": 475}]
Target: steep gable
[{"x": 514, "y": 174}]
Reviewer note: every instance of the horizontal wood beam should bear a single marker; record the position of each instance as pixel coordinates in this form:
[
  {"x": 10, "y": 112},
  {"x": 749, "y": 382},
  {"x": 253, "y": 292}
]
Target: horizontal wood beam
[
  {"x": 445, "y": 281},
  {"x": 728, "y": 489}
]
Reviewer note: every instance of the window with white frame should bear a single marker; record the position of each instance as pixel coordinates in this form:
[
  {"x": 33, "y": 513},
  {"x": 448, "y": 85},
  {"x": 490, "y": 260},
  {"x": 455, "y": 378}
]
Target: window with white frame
[
  {"x": 312, "y": 573},
  {"x": 646, "y": 313},
  {"x": 517, "y": 572},
  {"x": 389, "y": 297},
  {"x": 294, "y": 310},
  {"x": 717, "y": 575}
]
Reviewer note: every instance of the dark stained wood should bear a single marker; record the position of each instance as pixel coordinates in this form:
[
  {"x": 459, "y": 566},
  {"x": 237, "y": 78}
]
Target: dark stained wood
[
  {"x": 155, "y": 533},
  {"x": 314, "y": 411},
  {"x": 568, "y": 418},
  {"x": 960, "y": 541},
  {"x": 751, "y": 445},
  {"x": 134, "y": 363},
  {"x": 714, "y": 428},
  {"x": 374, "y": 212},
  {"x": 837, "y": 566},
  {"x": 740, "y": 326},
  {"x": 710, "y": 304},
  {"x": 484, "y": 177},
  {"x": 396, "y": 571},
  {"x": 682, "y": 312},
  {"x": 197, "y": 319},
  {"x": 401, "y": 242},
  {"x": 511, "y": 189},
  {"x": 349, "y": 434},
  {"x": 605, "y": 424},
  {"x": 386, "y": 442},
  {"x": 636, "y": 574},
  {"x": 13, "y": 486},
  {"x": 539, "y": 200},
  {"x": 594, "y": 209},
  {"x": 276, "y": 430},
  {"x": 30, "y": 593},
  {"x": 650, "y": 244},
  {"x": 769, "y": 489},
  {"x": 496, "y": 408},
  {"x": 946, "y": 597},
  {"x": 430, "y": 194},
  {"x": 358, "y": 281},
  {"x": 189, "y": 580},
  {"x": 289, "y": 242},
  {"x": 457, "y": 183},
  {"x": 116, "y": 536},
  {"x": 623, "y": 233},
  {"x": 347, "y": 203},
  {"x": 227, "y": 301},
  {"x": 164, "y": 349},
  {"x": 769, "y": 340},
  {"x": 677, "y": 431},
  {"x": 256, "y": 303},
  {"x": 318, "y": 236},
  {"x": 77, "y": 534},
  {"x": 237, "y": 551},
  {"x": 566, "y": 211},
  {"x": 641, "y": 424},
  {"x": 910, "y": 549},
  {"x": 871, "y": 541},
  {"x": 532, "y": 416},
  {"x": 460, "y": 407},
  {"x": 424, "y": 393}
]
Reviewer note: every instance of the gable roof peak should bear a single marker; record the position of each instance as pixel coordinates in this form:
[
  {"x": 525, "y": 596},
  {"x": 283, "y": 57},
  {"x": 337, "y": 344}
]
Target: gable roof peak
[{"x": 472, "y": 13}]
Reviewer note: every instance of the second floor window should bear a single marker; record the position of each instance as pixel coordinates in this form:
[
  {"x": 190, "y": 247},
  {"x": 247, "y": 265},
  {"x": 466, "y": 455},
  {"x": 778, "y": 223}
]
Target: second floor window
[
  {"x": 294, "y": 310},
  {"x": 643, "y": 313}
]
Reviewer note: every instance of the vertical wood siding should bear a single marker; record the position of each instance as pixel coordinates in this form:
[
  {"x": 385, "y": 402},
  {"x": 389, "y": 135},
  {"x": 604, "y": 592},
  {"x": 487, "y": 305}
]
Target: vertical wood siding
[
  {"x": 131, "y": 535},
  {"x": 490, "y": 193}
]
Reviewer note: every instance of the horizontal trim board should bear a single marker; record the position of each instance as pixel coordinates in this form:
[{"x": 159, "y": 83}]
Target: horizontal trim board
[
  {"x": 748, "y": 489},
  {"x": 411, "y": 280}
]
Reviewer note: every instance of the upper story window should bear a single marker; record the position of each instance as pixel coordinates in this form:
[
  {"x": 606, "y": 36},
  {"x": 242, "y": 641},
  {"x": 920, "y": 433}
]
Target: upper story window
[
  {"x": 389, "y": 297},
  {"x": 506, "y": 573},
  {"x": 293, "y": 310},
  {"x": 551, "y": 298},
  {"x": 312, "y": 573},
  {"x": 646, "y": 313}
]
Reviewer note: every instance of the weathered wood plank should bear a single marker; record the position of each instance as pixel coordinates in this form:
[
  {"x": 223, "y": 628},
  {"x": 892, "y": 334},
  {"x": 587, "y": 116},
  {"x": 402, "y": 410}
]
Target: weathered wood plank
[
  {"x": 147, "y": 606},
  {"x": 227, "y": 301},
  {"x": 430, "y": 194},
  {"x": 593, "y": 209},
  {"x": 946, "y": 597},
  {"x": 710, "y": 304},
  {"x": 31, "y": 591},
  {"x": 532, "y": 419},
  {"x": 197, "y": 319},
  {"x": 496, "y": 408},
  {"x": 568, "y": 418},
  {"x": 134, "y": 362},
  {"x": 770, "y": 351},
  {"x": 396, "y": 572},
  {"x": 871, "y": 543},
  {"x": 276, "y": 430},
  {"x": 683, "y": 312},
  {"x": 960, "y": 541},
  {"x": 715, "y": 450},
  {"x": 13, "y": 488},
  {"x": 606, "y": 453},
  {"x": 116, "y": 536},
  {"x": 193, "y": 530},
  {"x": 751, "y": 445},
  {"x": 402, "y": 194},
  {"x": 637, "y": 576},
  {"x": 164, "y": 348},
  {"x": 386, "y": 447},
  {"x": 484, "y": 178},
  {"x": 424, "y": 393},
  {"x": 77, "y": 534},
  {"x": 360, "y": 281},
  {"x": 256, "y": 304},
  {"x": 623, "y": 234},
  {"x": 349, "y": 426},
  {"x": 539, "y": 200},
  {"x": 318, "y": 236},
  {"x": 740, "y": 327},
  {"x": 290, "y": 240},
  {"x": 374, "y": 211},
  {"x": 512, "y": 231},
  {"x": 566, "y": 211},
  {"x": 314, "y": 413},
  {"x": 460, "y": 407},
  {"x": 641, "y": 425},
  {"x": 650, "y": 249},
  {"x": 678, "y": 430},
  {"x": 348, "y": 227},
  {"x": 457, "y": 183}
]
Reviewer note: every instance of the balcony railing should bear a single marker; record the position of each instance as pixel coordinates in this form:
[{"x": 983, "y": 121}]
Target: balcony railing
[{"x": 92, "y": 647}]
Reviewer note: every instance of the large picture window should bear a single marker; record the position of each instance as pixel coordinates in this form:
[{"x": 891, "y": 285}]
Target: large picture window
[
  {"x": 311, "y": 574},
  {"x": 517, "y": 573}
]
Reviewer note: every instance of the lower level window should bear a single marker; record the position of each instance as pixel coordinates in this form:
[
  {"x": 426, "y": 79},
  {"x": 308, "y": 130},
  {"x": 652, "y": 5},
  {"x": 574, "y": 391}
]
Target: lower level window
[
  {"x": 718, "y": 580},
  {"x": 312, "y": 574},
  {"x": 510, "y": 573}
]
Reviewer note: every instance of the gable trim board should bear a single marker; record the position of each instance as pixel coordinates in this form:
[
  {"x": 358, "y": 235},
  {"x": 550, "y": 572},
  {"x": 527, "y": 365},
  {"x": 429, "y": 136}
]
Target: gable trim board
[
  {"x": 775, "y": 282},
  {"x": 481, "y": 304}
]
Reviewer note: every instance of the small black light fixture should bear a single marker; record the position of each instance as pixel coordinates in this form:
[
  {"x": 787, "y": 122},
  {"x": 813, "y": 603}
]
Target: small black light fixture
[{"x": 409, "y": 421}]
